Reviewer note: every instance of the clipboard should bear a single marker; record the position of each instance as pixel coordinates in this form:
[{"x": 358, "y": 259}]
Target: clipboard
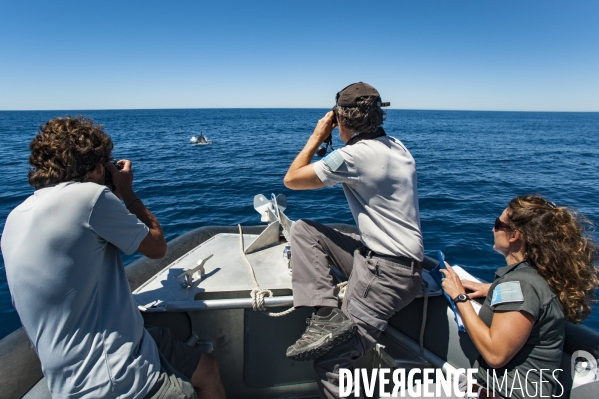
[{"x": 463, "y": 274}]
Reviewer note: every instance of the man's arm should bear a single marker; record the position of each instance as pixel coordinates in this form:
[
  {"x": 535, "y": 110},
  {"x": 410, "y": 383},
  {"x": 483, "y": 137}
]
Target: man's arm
[
  {"x": 153, "y": 245},
  {"x": 301, "y": 174}
]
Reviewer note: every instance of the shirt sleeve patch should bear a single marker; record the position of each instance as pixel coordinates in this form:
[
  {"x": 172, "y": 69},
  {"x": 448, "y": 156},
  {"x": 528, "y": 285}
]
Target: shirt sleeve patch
[
  {"x": 334, "y": 160},
  {"x": 507, "y": 292}
]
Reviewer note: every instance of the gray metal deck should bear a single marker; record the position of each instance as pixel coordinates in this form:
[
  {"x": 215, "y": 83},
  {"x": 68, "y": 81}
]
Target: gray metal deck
[{"x": 227, "y": 275}]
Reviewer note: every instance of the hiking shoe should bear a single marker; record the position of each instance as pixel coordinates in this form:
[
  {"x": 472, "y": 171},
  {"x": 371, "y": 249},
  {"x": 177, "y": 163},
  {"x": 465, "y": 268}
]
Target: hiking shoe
[{"x": 322, "y": 333}]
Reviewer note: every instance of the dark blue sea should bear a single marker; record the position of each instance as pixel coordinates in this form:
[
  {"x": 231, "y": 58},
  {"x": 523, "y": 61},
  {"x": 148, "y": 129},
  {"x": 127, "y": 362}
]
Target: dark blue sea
[{"x": 470, "y": 164}]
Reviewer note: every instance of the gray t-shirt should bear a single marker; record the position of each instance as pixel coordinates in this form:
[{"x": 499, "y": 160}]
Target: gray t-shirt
[
  {"x": 379, "y": 180},
  {"x": 70, "y": 288},
  {"x": 519, "y": 287}
]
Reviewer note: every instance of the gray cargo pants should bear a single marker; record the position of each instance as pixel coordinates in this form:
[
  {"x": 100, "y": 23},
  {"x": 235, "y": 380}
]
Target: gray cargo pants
[{"x": 377, "y": 289}]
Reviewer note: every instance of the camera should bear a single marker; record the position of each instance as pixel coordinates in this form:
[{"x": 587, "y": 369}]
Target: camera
[{"x": 108, "y": 176}]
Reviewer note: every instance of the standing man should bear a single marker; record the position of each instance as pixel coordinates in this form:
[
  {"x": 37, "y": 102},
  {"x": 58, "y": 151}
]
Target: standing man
[
  {"x": 378, "y": 176},
  {"x": 68, "y": 283}
]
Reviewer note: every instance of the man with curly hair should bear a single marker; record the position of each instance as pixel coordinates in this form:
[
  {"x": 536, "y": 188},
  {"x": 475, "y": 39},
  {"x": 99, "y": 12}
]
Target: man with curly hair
[
  {"x": 67, "y": 280},
  {"x": 378, "y": 176}
]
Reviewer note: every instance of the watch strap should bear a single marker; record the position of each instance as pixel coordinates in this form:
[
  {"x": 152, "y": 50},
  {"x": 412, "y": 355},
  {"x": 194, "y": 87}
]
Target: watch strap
[{"x": 460, "y": 298}]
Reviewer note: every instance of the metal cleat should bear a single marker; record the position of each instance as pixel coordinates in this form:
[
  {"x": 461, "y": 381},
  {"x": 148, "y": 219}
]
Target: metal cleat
[{"x": 188, "y": 273}]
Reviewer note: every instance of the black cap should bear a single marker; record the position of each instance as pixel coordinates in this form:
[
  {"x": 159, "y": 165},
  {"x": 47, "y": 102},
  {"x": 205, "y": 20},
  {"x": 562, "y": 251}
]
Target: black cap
[{"x": 348, "y": 97}]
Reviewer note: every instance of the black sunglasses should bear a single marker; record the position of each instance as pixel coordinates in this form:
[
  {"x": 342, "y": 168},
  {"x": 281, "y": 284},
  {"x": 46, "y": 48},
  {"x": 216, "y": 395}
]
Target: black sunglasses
[{"x": 499, "y": 225}]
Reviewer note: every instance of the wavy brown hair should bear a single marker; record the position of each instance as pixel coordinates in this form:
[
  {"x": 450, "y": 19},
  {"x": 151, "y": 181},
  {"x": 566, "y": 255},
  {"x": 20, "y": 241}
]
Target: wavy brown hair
[
  {"x": 366, "y": 117},
  {"x": 67, "y": 149},
  {"x": 560, "y": 245}
]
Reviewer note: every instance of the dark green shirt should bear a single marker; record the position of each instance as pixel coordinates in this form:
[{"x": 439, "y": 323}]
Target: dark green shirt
[{"x": 519, "y": 287}]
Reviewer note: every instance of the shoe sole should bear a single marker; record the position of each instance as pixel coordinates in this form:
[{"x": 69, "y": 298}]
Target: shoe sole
[{"x": 327, "y": 345}]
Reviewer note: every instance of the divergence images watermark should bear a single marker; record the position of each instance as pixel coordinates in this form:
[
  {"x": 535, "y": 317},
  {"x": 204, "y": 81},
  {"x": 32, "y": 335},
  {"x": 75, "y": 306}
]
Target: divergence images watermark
[
  {"x": 430, "y": 382},
  {"x": 396, "y": 384}
]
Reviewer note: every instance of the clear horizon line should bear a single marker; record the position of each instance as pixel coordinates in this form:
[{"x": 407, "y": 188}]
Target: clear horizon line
[{"x": 198, "y": 108}]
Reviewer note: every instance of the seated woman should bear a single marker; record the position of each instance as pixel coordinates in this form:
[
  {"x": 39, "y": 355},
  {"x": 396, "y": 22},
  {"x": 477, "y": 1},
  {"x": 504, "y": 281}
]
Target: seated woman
[{"x": 549, "y": 279}]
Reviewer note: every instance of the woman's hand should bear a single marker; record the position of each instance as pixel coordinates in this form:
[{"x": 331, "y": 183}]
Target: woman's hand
[
  {"x": 451, "y": 282},
  {"x": 480, "y": 290}
]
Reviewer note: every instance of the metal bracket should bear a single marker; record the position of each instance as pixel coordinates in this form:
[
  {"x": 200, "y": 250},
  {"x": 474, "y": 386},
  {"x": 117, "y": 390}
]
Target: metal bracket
[
  {"x": 188, "y": 273},
  {"x": 272, "y": 212},
  {"x": 268, "y": 237}
]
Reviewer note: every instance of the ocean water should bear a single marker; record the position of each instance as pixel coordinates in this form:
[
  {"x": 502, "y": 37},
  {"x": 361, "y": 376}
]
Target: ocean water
[{"x": 470, "y": 164}]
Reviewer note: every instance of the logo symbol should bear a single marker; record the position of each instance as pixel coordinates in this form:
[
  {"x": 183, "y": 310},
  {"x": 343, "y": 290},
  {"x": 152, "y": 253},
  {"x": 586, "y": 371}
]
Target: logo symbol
[{"x": 584, "y": 368}]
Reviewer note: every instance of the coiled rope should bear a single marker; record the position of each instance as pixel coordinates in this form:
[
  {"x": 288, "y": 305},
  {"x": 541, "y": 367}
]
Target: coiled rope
[{"x": 258, "y": 293}]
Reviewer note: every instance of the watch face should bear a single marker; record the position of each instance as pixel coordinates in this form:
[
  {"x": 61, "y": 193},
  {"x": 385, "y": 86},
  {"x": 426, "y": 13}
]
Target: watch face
[{"x": 461, "y": 298}]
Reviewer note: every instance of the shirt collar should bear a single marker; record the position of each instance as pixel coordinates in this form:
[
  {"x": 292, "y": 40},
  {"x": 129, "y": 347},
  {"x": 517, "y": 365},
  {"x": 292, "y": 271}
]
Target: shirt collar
[
  {"x": 366, "y": 135},
  {"x": 502, "y": 271}
]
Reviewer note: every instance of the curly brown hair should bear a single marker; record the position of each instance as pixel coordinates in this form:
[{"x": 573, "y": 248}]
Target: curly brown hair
[
  {"x": 67, "y": 149},
  {"x": 366, "y": 117},
  {"x": 559, "y": 244}
]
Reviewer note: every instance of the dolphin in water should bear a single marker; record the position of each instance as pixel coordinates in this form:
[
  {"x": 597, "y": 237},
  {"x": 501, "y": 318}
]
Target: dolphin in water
[{"x": 201, "y": 139}]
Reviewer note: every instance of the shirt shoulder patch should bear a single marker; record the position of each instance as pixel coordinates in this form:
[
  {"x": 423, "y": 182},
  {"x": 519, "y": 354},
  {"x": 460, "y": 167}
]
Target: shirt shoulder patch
[
  {"x": 334, "y": 160},
  {"x": 507, "y": 292}
]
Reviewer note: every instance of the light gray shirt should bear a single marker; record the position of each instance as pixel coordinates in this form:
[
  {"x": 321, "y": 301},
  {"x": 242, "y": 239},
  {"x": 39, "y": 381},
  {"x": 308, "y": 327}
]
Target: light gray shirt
[
  {"x": 70, "y": 289},
  {"x": 379, "y": 181}
]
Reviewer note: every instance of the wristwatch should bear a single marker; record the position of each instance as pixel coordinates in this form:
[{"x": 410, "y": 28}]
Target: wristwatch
[{"x": 460, "y": 298}]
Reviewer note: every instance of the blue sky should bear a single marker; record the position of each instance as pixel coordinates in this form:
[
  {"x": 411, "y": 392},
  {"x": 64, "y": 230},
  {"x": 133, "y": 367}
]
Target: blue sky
[{"x": 451, "y": 54}]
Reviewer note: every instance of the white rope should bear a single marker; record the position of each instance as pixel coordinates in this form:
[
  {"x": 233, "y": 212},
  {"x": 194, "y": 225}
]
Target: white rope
[{"x": 258, "y": 293}]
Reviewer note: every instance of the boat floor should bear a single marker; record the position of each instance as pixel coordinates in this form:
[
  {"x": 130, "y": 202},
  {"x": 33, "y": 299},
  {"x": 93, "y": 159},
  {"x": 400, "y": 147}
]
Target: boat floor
[
  {"x": 227, "y": 274},
  {"x": 250, "y": 346}
]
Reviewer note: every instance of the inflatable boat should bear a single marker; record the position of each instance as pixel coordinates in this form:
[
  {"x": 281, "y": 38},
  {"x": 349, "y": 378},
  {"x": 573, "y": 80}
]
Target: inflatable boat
[{"x": 219, "y": 287}]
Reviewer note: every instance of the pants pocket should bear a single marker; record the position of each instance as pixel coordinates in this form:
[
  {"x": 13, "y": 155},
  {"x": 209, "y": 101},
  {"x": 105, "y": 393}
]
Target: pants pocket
[
  {"x": 372, "y": 280},
  {"x": 366, "y": 314},
  {"x": 364, "y": 276}
]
